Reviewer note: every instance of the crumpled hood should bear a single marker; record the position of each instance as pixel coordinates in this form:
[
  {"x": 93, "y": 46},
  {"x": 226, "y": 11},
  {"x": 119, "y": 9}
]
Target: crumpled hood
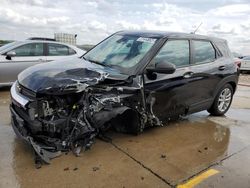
[{"x": 69, "y": 74}]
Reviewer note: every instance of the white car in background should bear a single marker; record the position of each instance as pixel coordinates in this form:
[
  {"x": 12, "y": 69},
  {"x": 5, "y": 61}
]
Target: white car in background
[
  {"x": 17, "y": 56},
  {"x": 245, "y": 63}
]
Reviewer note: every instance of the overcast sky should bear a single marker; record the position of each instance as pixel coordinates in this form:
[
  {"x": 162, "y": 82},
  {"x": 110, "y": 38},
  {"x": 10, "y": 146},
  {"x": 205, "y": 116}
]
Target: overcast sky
[{"x": 94, "y": 20}]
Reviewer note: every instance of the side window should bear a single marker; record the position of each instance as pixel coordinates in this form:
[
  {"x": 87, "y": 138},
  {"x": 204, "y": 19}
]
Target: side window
[
  {"x": 204, "y": 52},
  {"x": 57, "y": 50},
  {"x": 71, "y": 51},
  {"x": 175, "y": 52},
  {"x": 32, "y": 49}
]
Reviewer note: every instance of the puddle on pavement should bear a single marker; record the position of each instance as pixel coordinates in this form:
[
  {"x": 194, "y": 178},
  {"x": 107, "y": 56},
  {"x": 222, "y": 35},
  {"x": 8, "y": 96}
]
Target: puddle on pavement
[
  {"x": 183, "y": 148},
  {"x": 179, "y": 150},
  {"x": 175, "y": 152},
  {"x": 102, "y": 166}
]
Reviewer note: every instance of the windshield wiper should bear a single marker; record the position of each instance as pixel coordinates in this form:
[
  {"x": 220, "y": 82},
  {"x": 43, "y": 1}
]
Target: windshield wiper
[{"x": 96, "y": 62}]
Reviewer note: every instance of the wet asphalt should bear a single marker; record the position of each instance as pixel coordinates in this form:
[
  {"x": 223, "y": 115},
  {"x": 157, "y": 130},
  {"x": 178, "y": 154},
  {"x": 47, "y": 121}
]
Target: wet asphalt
[{"x": 176, "y": 154}]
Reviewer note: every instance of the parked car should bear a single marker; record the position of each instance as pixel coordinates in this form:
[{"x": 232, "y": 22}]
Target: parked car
[
  {"x": 17, "y": 56},
  {"x": 129, "y": 81},
  {"x": 245, "y": 63}
]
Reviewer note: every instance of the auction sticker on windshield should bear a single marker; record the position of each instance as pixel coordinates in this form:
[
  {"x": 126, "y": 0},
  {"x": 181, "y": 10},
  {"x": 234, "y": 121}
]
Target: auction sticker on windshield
[{"x": 143, "y": 39}]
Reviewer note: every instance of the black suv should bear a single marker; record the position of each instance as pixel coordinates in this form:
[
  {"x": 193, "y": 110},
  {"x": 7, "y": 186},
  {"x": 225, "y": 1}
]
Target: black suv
[{"x": 129, "y": 81}]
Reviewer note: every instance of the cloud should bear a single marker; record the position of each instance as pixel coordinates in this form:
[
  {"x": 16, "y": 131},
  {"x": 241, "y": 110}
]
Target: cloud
[
  {"x": 127, "y": 25},
  {"x": 94, "y": 20},
  {"x": 236, "y": 10},
  {"x": 96, "y": 25},
  {"x": 41, "y": 3},
  {"x": 9, "y": 16}
]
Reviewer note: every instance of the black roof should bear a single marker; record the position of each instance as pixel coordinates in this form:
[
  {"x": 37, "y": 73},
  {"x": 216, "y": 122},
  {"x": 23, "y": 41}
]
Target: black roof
[{"x": 166, "y": 34}]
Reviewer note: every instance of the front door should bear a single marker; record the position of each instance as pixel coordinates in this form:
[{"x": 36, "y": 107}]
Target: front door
[
  {"x": 26, "y": 56},
  {"x": 169, "y": 94}
]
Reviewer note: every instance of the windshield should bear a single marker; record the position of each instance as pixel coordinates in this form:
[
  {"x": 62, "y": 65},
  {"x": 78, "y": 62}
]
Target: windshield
[
  {"x": 120, "y": 50},
  {"x": 6, "y": 46}
]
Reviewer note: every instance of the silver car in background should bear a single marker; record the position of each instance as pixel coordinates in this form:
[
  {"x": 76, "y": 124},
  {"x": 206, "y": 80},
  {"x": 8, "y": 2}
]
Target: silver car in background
[
  {"x": 17, "y": 56},
  {"x": 245, "y": 63}
]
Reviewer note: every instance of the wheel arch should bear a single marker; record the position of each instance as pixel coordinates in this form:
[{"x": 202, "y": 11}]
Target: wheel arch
[
  {"x": 232, "y": 80},
  {"x": 234, "y": 85}
]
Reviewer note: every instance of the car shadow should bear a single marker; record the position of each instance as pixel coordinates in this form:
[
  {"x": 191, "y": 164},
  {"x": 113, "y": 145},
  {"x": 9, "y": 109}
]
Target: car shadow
[{"x": 5, "y": 88}]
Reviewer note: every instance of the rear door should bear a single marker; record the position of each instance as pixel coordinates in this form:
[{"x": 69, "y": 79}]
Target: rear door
[
  {"x": 58, "y": 51},
  {"x": 26, "y": 56},
  {"x": 206, "y": 67}
]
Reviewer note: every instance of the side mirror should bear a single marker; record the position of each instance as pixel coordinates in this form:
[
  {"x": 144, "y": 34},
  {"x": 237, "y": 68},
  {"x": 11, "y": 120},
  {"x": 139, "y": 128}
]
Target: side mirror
[
  {"x": 163, "y": 67},
  {"x": 10, "y": 54}
]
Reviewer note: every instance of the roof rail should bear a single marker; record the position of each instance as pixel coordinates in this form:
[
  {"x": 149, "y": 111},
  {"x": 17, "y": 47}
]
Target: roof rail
[{"x": 41, "y": 38}]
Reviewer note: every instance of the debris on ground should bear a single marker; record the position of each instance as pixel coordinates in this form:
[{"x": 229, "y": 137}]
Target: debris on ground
[
  {"x": 95, "y": 168},
  {"x": 163, "y": 156},
  {"x": 66, "y": 169}
]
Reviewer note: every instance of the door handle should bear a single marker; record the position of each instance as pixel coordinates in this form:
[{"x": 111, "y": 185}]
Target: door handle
[
  {"x": 188, "y": 75},
  {"x": 221, "y": 68}
]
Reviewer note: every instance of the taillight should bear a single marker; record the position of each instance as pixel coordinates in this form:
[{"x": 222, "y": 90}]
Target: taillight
[{"x": 237, "y": 63}]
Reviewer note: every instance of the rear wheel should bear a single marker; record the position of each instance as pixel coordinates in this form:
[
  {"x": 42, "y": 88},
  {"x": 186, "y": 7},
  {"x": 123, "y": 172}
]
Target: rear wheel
[{"x": 222, "y": 101}]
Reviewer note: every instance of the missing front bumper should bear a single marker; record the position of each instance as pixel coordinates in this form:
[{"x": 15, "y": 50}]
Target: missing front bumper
[{"x": 18, "y": 125}]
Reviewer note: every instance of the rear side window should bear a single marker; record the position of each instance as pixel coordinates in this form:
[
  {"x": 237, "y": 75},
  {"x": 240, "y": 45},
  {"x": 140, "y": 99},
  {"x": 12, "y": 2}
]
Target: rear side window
[
  {"x": 175, "y": 52},
  {"x": 71, "y": 51},
  {"x": 58, "y": 50},
  {"x": 204, "y": 52},
  {"x": 32, "y": 49}
]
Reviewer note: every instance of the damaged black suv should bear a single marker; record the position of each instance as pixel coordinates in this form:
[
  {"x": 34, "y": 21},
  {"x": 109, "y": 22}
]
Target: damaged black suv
[{"x": 129, "y": 81}]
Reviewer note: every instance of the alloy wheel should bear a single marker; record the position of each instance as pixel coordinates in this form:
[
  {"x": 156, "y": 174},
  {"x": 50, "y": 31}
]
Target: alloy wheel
[{"x": 224, "y": 99}]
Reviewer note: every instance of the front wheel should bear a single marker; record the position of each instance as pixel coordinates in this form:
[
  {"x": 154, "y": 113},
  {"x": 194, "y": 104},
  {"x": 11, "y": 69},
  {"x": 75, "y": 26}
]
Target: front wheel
[{"x": 222, "y": 101}]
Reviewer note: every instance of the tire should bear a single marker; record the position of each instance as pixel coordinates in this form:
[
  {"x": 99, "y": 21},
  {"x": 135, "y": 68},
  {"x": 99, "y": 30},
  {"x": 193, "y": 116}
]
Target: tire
[{"x": 222, "y": 101}]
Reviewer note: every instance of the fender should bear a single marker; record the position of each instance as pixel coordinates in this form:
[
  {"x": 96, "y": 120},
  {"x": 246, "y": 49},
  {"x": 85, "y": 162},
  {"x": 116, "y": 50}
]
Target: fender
[{"x": 232, "y": 79}]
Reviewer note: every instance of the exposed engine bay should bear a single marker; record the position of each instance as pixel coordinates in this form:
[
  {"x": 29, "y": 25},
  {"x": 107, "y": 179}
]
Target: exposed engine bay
[{"x": 71, "y": 118}]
